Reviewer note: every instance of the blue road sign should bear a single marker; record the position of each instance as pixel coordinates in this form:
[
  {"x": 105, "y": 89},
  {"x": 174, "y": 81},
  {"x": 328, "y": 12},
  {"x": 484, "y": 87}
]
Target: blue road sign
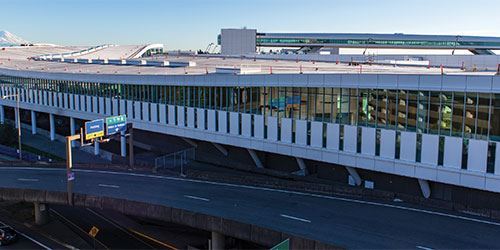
[
  {"x": 116, "y": 124},
  {"x": 94, "y": 129}
]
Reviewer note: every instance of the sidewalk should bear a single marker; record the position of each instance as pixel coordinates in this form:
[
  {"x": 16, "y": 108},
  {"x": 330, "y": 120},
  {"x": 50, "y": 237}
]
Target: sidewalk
[{"x": 58, "y": 148}]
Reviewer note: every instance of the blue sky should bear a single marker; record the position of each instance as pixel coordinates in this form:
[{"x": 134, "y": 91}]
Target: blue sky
[{"x": 193, "y": 24}]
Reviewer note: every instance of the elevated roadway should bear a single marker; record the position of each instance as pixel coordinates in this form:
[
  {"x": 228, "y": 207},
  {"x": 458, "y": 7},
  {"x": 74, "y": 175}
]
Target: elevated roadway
[{"x": 334, "y": 220}]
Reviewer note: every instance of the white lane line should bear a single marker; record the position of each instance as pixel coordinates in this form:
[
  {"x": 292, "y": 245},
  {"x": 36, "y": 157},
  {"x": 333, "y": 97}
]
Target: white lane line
[
  {"x": 196, "y": 198},
  {"x": 27, "y": 179},
  {"x": 109, "y": 186},
  {"x": 267, "y": 189},
  {"x": 295, "y": 218},
  {"x": 424, "y": 248},
  {"x": 29, "y": 238}
]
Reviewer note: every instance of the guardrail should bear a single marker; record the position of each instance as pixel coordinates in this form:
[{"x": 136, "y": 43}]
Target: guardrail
[{"x": 174, "y": 160}]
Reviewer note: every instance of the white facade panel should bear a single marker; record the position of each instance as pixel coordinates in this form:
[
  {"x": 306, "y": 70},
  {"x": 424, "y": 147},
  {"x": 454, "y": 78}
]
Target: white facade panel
[
  {"x": 234, "y": 123},
  {"x": 286, "y": 130},
  {"x": 368, "y": 141},
  {"x": 497, "y": 159},
  {"x": 101, "y": 106},
  {"x": 246, "y": 125},
  {"x": 130, "y": 110},
  {"x": 258, "y": 126},
  {"x": 478, "y": 155},
  {"x": 115, "y": 107},
  {"x": 430, "y": 149},
  {"x": 387, "y": 143},
  {"x": 171, "y": 114},
  {"x": 50, "y": 98},
  {"x": 272, "y": 128},
  {"x": 452, "y": 152},
  {"x": 181, "y": 116},
  {"x": 72, "y": 101},
  {"x": 190, "y": 117},
  {"x": 123, "y": 109},
  {"x": 59, "y": 100},
  {"x": 317, "y": 134},
  {"x": 301, "y": 132},
  {"x": 153, "y": 110},
  {"x": 145, "y": 111},
  {"x": 350, "y": 138},
  {"x": 94, "y": 104},
  {"x": 200, "y": 115},
  {"x": 332, "y": 136},
  {"x": 211, "y": 120},
  {"x": 222, "y": 121},
  {"x": 408, "y": 147},
  {"x": 138, "y": 111},
  {"x": 65, "y": 100},
  {"x": 163, "y": 114},
  {"x": 108, "y": 107},
  {"x": 45, "y": 98},
  {"x": 83, "y": 106}
]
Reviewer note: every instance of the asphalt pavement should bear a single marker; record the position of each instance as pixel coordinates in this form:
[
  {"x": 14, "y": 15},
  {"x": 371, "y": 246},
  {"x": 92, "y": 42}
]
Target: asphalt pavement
[{"x": 335, "y": 220}]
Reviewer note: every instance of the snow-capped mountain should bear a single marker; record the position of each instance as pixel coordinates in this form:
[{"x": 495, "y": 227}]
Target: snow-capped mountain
[{"x": 7, "y": 38}]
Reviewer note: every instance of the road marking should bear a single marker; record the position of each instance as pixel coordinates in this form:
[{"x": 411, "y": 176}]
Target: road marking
[
  {"x": 27, "y": 179},
  {"x": 196, "y": 198},
  {"x": 153, "y": 239},
  {"x": 29, "y": 238},
  {"x": 424, "y": 248},
  {"x": 267, "y": 189},
  {"x": 295, "y": 218},
  {"x": 109, "y": 186}
]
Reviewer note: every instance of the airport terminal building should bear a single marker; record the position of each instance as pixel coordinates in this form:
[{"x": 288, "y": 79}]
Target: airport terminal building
[{"x": 427, "y": 126}]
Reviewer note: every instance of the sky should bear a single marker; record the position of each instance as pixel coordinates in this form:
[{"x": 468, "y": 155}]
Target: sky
[{"x": 193, "y": 24}]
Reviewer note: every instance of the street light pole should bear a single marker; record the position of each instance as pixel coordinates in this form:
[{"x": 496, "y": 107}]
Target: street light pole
[{"x": 18, "y": 113}]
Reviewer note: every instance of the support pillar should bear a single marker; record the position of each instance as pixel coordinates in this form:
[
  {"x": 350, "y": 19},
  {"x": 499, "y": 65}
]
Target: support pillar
[
  {"x": 220, "y": 148},
  {"x": 2, "y": 114},
  {"x": 96, "y": 147},
  {"x": 425, "y": 188},
  {"x": 41, "y": 213},
  {"x": 218, "y": 241},
  {"x": 72, "y": 128},
  {"x": 190, "y": 142},
  {"x": 255, "y": 158},
  {"x": 302, "y": 165},
  {"x": 33, "y": 122},
  {"x": 354, "y": 174},
  {"x": 52, "y": 127},
  {"x": 123, "y": 144}
]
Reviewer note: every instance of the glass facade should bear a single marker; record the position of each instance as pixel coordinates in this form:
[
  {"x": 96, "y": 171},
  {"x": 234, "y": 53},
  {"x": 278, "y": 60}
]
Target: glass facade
[
  {"x": 461, "y": 114},
  {"x": 361, "y": 42}
]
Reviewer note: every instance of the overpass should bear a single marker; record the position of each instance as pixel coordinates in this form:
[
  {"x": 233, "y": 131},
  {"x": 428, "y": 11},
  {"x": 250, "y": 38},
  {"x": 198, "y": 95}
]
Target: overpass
[{"x": 262, "y": 215}]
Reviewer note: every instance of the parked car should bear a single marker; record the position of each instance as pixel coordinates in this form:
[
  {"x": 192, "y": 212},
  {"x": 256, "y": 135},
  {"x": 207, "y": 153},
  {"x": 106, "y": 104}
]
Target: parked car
[{"x": 7, "y": 235}]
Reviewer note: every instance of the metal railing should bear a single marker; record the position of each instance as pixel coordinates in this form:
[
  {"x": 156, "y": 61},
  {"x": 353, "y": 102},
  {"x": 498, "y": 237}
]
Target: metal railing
[{"x": 172, "y": 161}]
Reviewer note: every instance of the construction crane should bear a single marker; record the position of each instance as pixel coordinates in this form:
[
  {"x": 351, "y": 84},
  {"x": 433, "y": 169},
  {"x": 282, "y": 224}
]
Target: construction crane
[{"x": 210, "y": 45}]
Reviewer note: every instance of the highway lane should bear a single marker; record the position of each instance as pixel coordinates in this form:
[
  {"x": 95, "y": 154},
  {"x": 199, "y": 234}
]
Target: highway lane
[{"x": 339, "y": 221}]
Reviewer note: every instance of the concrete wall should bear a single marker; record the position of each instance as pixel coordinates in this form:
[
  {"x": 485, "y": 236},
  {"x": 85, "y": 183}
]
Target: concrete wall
[{"x": 238, "y": 41}]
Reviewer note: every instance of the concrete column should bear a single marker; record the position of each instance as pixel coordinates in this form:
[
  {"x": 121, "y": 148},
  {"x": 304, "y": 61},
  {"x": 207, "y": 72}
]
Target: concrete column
[
  {"x": 41, "y": 213},
  {"x": 302, "y": 165},
  {"x": 123, "y": 144},
  {"x": 72, "y": 128},
  {"x": 33, "y": 122},
  {"x": 425, "y": 188},
  {"x": 354, "y": 174},
  {"x": 255, "y": 158},
  {"x": 2, "y": 114},
  {"x": 96, "y": 147},
  {"x": 218, "y": 241},
  {"x": 52, "y": 127}
]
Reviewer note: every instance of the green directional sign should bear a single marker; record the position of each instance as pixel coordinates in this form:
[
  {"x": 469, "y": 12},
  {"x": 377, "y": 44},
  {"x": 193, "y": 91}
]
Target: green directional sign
[
  {"x": 285, "y": 245},
  {"x": 116, "y": 124}
]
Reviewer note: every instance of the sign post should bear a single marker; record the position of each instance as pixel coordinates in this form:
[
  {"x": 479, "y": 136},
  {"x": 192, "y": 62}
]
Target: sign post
[{"x": 69, "y": 166}]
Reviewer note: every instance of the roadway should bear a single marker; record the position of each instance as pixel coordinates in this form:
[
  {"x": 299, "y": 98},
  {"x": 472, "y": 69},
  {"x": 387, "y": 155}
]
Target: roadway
[{"x": 335, "y": 220}]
